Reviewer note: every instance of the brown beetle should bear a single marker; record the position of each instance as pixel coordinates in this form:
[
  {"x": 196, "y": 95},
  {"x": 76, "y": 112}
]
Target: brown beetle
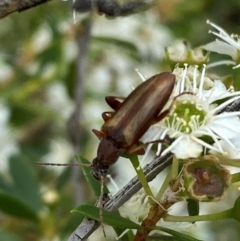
[{"x": 132, "y": 118}]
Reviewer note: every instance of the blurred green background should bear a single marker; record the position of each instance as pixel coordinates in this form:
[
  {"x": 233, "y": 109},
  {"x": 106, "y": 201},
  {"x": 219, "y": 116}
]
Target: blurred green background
[{"x": 49, "y": 105}]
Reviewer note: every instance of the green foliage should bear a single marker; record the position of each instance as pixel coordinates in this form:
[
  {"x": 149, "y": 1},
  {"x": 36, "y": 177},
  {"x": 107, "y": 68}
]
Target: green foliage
[
  {"x": 236, "y": 210},
  {"x": 6, "y": 236},
  {"x": 24, "y": 183},
  {"x": 111, "y": 218},
  {"x": 14, "y": 206},
  {"x": 20, "y": 197},
  {"x": 193, "y": 207},
  {"x": 177, "y": 235},
  {"x": 93, "y": 183}
]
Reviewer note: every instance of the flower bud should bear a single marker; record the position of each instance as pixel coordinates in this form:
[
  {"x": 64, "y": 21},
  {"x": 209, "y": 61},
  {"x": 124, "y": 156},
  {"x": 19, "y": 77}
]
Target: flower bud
[{"x": 205, "y": 179}]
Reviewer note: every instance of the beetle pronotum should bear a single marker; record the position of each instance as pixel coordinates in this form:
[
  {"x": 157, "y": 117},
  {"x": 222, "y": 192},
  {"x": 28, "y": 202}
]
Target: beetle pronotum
[{"x": 132, "y": 118}]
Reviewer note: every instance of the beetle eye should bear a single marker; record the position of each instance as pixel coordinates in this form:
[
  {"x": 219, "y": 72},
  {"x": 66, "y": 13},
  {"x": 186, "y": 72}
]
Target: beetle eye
[
  {"x": 104, "y": 171},
  {"x": 99, "y": 169},
  {"x": 96, "y": 176}
]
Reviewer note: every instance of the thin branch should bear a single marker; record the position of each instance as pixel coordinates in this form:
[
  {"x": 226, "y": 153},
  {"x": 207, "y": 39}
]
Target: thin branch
[
  {"x": 88, "y": 226},
  {"x": 234, "y": 106},
  {"x": 11, "y": 6},
  {"x": 73, "y": 126}
]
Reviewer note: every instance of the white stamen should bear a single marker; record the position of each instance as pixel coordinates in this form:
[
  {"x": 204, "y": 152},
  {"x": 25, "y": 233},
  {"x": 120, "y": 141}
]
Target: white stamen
[
  {"x": 204, "y": 143},
  {"x": 195, "y": 79},
  {"x": 202, "y": 81},
  {"x": 112, "y": 181},
  {"x": 140, "y": 75},
  {"x": 222, "y": 62},
  {"x": 237, "y": 66},
  {"x": 227, "y": 114},
  {"x": 172, "y": 145},
  {"x": 184, "y": 74},
  {"x": 122, "y": 234}
]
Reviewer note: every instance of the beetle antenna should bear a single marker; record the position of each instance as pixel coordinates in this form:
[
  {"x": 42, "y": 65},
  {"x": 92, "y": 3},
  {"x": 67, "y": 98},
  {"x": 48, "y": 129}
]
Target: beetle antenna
[
  {"x": 60, "y": 164},
  {"x": 102, "y": 200}
]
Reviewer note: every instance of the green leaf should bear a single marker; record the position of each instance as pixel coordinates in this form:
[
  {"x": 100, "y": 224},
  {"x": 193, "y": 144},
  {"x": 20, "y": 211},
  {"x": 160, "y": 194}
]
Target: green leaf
[
  {"x": 160, "y": 237},
  {"x": 110, "y": 218},
  {"x": 193, "y": 207},
  {"x": 69, "y": 80},
  {"x": 25, "y": 184},
  {"x": 129, "y": 48},
  {"x": 86, "y": 168},
  {"x": 179, "y": 236},
  {"x": 236, "y": 210},
  {"x": 119, "y": 43},
  {"x": 63, "y": 178},
  {"x": 26, "y": 111},
  {"x": 13, "y": 206},
  {"x": 6, "y": 236},
  {"x": 20, "y": 115},
  {"x": 235, "y": 177}
]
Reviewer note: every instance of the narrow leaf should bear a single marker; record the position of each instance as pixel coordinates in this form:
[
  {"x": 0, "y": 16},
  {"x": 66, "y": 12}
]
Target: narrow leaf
[
  {"x": 179, "y": 236},
  {"x": 6, "y": 236},
  {"x": 111, "y": 218},
  {"x": 25, "y": 183},
  {"x": 13, "y": 206},
  {"x": 193, "y": 207},
  {"x": 86, "y": 168}
]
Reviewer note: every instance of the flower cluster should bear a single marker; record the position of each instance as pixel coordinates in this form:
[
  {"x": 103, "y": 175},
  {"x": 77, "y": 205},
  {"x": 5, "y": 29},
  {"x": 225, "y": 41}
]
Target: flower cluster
[
  {"x": 229, "y": 46},
  {"x": 201, "y": 134},
  {"x": 193, "y": 123}
]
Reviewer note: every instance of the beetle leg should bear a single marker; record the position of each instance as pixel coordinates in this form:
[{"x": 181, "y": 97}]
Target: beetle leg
[
  {"x": 136, "y": 149},
  {"x": 113, "y": 101},
  {"x": 139, "y": 149},
  {"x": 107, "y": 115},
  {"x": 166, "y": 112},
  {"x": 161, "y": 115},
  {"x": 99, "y": 134}
]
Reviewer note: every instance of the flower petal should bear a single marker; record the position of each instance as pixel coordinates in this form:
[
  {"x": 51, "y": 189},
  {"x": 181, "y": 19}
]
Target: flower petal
[
  {"x": 187, "y": 148},
  {"x": 219, "y": 91},
  {"x": 221, "y": 47},
  {"x": 228, "y": 127}
]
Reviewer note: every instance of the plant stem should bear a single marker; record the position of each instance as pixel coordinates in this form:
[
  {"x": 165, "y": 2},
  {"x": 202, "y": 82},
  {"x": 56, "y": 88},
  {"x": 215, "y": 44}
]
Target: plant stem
[
  {"x": 164, "y": 185},
  {"x": 174, "y": 169},
  {"x": 237, "y": 82},
  {"x": 141, "y": 176},
  {"x": 235, "y": 177},
  {"x": 229, "y": 162},
  {"x": 208, "y": 217}
]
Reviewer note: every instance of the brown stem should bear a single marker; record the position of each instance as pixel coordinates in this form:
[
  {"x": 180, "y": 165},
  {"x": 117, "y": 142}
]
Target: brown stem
[
  {"x": 11, "y": 6},
  {"x": 156, "y": 212}
]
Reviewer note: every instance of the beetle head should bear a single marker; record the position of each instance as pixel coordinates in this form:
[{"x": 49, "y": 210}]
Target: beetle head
[
  {"x": 107, "y": 155},
  {"x": 98, "y": 169}
]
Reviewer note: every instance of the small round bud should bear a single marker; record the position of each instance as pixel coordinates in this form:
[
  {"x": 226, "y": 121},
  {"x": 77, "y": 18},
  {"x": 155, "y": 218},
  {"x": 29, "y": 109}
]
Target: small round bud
[{"x": 205, "y": 179}]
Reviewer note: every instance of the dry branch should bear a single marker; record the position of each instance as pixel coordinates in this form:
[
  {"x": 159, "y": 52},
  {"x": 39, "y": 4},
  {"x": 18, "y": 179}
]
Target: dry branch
[{"x": 11, "y": 6}]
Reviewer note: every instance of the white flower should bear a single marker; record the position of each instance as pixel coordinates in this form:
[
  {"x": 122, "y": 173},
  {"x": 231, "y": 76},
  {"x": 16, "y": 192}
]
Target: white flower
[
  {"x": 180, "y": 52},
  {"x": 136, "y": 208},
  {"x": 229, "y": 46},
  {"x": 194, "y": 123},
  {"x": 231, "y": 149}
]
